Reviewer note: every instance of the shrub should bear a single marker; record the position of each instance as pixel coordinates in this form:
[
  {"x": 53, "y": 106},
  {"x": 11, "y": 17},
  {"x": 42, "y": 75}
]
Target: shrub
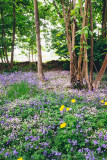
[{"x": 66, "y": 66}]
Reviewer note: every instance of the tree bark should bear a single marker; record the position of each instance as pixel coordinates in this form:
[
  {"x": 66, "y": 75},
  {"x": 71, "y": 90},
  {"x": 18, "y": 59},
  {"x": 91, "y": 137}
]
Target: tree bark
[
  {"x": 3, "y": 36},
  {"x": 40, "y": 70},
  {"x": 91, "y": 54},
  {"x": 81, "y": 42},
  {"x": 100, "y": 74},
  {"x": 69, "y": 43},
  {"x": 32, "y": 55},
  {"x": 29, "y": 55},
  {"x": 13, "y": 40},
  {"x": 73, "y": 37},
  {"x": 104, "y": 19},
  {"x": 81, "y": 10},
  {"x": 86, "y": 65}
]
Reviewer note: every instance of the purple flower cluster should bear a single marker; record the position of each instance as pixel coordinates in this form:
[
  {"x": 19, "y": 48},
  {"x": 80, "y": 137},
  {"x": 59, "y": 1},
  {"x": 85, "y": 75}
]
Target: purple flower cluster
[
  {"x": 17, "y": 77},
  {"x": 32, "y": 138},
  {"x": 73, "y": 142}
]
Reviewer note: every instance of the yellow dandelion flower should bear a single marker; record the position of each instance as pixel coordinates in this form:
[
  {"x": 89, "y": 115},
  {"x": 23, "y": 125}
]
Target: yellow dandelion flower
[
  {"x": 102, "y": 101},
  {"x": 68, "y": 109},
  {"x": 73, "y": 100},
  {"x": 61, "y": 109},
  {"x": 105, "y": 103},
  {"x": 62, "y": 125},
  {"x": 20, "y": 158},
  {"x": 62, "y": 106}
]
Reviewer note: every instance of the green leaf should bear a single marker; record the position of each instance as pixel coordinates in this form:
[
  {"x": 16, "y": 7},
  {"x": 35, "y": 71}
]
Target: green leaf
[{"x": 59, "y": 34}]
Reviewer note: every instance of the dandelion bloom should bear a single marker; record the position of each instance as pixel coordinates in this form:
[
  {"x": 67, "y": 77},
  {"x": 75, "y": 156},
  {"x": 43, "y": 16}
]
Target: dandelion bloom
[
  {"x": 68, "y": 109},
  {"x": 61, "y": 109},
  {"x": 105, "y": 103},
  {"x": 62, "y": 125},
  {"x": 20, "y": 158},
  {"x": 73, "y": 100},
  {"x": 102, "y": 101},
  {"x": 62, "y": 106}
]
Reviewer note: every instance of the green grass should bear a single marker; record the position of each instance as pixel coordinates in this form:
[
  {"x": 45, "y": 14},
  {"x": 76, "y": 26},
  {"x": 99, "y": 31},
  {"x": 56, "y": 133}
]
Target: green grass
[{"x": 18, "y": 90}]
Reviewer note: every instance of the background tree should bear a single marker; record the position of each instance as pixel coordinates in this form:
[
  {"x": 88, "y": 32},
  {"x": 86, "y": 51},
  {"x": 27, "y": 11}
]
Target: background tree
[
  {"x": 40, "y": 70},
  {"x": 13, "y": 39}
]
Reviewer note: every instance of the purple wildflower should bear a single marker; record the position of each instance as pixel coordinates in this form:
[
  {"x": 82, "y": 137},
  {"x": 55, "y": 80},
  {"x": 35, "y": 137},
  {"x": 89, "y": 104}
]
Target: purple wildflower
[
  {"x": 45, "y": 152},
  {"x": 104, "y": 145},
  {"x": 15, "y": 152},
  {"x": 100, "y": 134},
  {"x": 99, "y": 150},
  {"x": 74, "y": 142},
  {"x": 86, "y": 140},
  {"x": 95, "y": 142},
  {"x": 2, "y": 150},
  {"x": 105, "y": 137},
  {"x": 31, "y": 146},
  {"x": 80, "y": 150},
  {"x": 26, "y": 138},
  {"x": 6, "y": 154},
  {"x": 69, "y": 141}
]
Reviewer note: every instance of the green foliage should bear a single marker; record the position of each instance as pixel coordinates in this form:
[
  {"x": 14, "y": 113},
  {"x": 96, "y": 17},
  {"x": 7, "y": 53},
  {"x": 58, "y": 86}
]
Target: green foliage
[
  {"x": 59, "y": 43},
  {"x": 18, "y": 90},
  {"x": 33, "y": 66},
  {"x": 66, "y": 66},
  {"x": 38, "y": 121}
]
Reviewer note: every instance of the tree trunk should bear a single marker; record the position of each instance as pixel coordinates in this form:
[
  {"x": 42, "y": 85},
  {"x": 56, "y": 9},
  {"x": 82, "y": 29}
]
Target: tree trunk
[
  {"x": 40, "y": 70},
  {"x": 91, "y": 54},
  {"x": 81, "y": 42},
  {"x": 81, "y": 10},
  {"x": 100, "y": 74},
  {"x": 69, "y": 43},
  {"x": 86, "y": 65},
  {"x": 13, "y": 40},
  {"x": 73, "y": 38},
  {"x": 104, "y": 19},
  {"x": 3, "y": 35},
  {"x": 29, "y": 55},
  {"x": 32, "y": 55}
]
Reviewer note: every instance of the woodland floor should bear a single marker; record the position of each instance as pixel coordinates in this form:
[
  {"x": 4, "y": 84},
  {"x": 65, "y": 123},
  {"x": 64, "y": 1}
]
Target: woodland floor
[
  {"x": 57, "y": 77},
  {"x": 28, "y": 112},
  {"x": 59, "y": 81}
]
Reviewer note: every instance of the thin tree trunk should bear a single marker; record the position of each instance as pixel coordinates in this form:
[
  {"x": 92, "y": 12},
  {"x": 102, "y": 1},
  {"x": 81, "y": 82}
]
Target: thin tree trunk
[
  {"x": 86, "y": 65},
  {"x": 32, "y": 55},
  {"x": 69, "y": 43},
  {"x": 100, "y": 74},
  {"x": 3, "y": 35},
  {"x": 104, "y": 19},
  {"x": 73, "y": 37},
  {"x": 83, "y": 70},
  {"x": 81, "y": 42},
  {"x": 13, "y": 40},
  {"x": 29, "y": 55},
  {"x": 40, "y": 70},
  {"x": 91, "y": 54},
  {"x": 81, "y": 11}
]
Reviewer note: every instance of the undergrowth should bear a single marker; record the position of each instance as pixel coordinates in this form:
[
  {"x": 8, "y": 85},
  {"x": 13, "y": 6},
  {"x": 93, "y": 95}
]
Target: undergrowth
[{"x": 52, "y": 126}]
